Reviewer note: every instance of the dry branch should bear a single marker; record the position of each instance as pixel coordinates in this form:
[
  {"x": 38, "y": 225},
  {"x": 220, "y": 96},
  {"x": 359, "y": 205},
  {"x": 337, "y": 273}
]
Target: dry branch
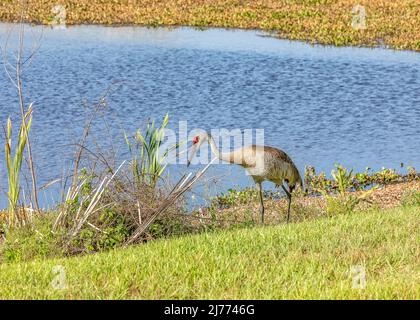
[{"x": 183, "y": 185}]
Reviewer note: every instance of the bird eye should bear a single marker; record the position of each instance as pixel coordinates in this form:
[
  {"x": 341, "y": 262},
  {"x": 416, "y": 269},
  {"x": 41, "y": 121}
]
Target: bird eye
[{"x": 196, "y": 139}]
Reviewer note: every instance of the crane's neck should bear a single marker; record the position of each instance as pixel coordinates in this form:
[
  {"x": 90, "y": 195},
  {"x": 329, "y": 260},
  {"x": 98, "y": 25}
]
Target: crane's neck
[{"x": 225, "y": 156}]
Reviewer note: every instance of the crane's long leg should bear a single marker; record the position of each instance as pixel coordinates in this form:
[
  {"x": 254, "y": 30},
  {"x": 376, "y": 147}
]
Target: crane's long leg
[
  {"x": 289, "y": 197},
  {"x": 262, "y": 202}
]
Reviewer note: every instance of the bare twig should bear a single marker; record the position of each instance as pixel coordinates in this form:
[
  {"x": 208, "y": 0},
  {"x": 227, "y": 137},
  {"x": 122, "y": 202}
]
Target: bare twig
[
  {"x": 82, "y": 217},
  {"x": 183, "y": 185},
  {"x": 100, "y": 105}
]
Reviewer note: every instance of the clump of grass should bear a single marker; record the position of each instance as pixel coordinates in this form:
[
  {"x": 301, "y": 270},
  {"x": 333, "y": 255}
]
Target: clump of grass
[
  {"x": 32, "y": 241},
  {"x": 386, "y": 176},
  {"x": 411, "y": 198},
  {"x": 344, "y": 202},
  {"x": 316, "y": 182},
  {"x": 341, "y": 204},
  {"x": 343, "y": 177},
  {"x": 411, "y": 173},
  {"x": 306, "y": 211},
  {"x": 362, "y": 179}
]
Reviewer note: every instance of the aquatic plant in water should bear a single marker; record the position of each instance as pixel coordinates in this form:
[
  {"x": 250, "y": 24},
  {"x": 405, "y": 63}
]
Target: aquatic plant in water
[{"x": 147, "y": 163}]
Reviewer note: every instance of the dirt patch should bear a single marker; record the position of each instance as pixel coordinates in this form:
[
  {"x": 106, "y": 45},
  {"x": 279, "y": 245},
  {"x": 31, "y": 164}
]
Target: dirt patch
[{"x": 305, "y": 207}]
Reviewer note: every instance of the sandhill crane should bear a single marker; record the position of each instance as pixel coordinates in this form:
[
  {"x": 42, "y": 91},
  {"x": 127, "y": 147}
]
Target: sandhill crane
[{"x": 263, "y": 163}]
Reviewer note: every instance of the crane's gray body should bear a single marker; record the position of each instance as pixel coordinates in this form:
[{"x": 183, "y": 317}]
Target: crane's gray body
[{"x": 263, "y": 163}]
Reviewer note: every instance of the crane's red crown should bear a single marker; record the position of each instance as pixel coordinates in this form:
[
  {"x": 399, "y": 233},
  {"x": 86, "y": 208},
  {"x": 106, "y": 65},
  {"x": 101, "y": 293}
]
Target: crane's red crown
[{"x": 196, "y": 139}]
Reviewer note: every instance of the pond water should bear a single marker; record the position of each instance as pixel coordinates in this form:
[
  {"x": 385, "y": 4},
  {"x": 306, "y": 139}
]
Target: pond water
[{"x": 322, "y": 105}]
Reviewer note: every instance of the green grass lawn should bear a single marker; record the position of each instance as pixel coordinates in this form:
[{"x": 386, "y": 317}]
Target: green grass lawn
[{"x": 307, "y": 260}]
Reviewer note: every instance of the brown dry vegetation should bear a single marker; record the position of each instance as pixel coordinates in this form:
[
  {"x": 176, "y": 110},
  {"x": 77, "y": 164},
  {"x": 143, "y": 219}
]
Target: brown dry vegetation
[
  {"x": 308, "y": 207},
  {"x": 393, "y": 23}
]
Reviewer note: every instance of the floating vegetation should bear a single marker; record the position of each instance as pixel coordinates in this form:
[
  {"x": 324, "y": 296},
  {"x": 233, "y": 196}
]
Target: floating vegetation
[{"x": 394, "y": 24}]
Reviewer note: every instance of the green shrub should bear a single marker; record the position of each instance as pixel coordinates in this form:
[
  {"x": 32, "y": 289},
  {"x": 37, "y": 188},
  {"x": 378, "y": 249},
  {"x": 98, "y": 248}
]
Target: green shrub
[
  {"x": 34, "y": 241},
  {"x": 316, "y": 183},
  {"x": 362, "y": 179},
  {"x": 386, "y": 176},
  {"x": 411, "y": 173},
  {"x": 345, "y": 203},
  {"x": 173, "y": 226},
  {"x": 341, "y": 204},
  {"x": 114, "y": 231}
]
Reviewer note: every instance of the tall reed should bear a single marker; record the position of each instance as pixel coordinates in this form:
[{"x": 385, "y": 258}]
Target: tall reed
[
  {"x": 147, "y": 162},
  {"x": 14, "y": 163}
]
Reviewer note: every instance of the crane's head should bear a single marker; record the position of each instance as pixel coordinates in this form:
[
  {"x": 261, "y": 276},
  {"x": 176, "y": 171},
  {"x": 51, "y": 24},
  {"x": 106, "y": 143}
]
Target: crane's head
[
  {"x": 297, "y": 183},
  {"x": 197, "y": 141}
]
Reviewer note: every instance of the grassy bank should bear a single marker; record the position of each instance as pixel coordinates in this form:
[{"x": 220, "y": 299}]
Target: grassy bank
[
  {"x": 307, "y": 260},
  {"x": 392, "y": 23}
]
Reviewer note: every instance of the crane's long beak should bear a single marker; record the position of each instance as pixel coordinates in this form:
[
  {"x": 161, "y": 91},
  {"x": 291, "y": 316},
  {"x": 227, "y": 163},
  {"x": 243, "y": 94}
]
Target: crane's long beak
[{"x": 193, "y": 151}]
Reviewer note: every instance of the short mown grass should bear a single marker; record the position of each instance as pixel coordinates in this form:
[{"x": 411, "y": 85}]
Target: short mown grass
[{"x": 312, "y": 259}]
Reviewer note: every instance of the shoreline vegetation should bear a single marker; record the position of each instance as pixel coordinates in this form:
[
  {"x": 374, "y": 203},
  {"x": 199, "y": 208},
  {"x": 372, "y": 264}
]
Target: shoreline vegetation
[
  {"x": 242, "y": 206},
  {"x": 372, "y": 23},
  {"x": 317, "y": 256},
  {"x": 110, "y": 225}
]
